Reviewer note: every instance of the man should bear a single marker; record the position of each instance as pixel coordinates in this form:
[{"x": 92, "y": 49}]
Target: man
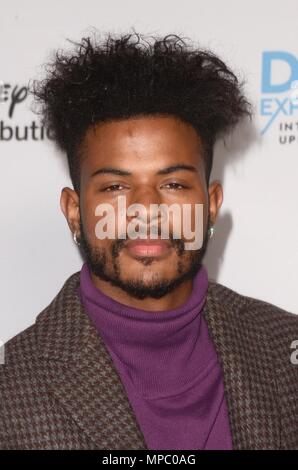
[{"x": 139, "y": 350}]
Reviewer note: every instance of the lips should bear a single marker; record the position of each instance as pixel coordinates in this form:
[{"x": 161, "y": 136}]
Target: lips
[{"x": 148, "y": 247}]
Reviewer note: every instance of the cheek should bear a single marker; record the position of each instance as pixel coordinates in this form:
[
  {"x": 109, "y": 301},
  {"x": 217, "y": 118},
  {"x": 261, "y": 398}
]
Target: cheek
[
  {"x": 193, "y": 223},
  {"x": 89, "y": 223},
  {"x": 200, "y": 220},
  {"x": 189, "y": 217},
  {"x": 98, "y": 220}
]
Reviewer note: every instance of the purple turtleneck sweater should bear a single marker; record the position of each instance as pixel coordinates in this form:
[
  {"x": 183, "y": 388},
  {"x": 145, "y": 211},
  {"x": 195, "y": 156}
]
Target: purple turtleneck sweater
[{"x": 168, "y": 366}]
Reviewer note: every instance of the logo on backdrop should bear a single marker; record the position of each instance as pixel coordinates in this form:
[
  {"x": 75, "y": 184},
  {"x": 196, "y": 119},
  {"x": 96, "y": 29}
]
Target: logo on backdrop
[
  {"x": 12, "y": 105},
  {"x": 279, "y": 101}
]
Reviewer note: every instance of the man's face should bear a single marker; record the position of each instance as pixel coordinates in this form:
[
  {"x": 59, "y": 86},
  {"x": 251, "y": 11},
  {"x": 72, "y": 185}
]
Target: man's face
[{"x": 148, "y": 160}]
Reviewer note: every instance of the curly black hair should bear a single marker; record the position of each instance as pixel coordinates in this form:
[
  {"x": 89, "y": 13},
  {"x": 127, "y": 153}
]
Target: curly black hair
[{"x": 127, "y": 75}]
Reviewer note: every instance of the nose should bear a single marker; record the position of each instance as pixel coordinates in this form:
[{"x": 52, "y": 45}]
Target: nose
[{"x": 144, "y": 206}]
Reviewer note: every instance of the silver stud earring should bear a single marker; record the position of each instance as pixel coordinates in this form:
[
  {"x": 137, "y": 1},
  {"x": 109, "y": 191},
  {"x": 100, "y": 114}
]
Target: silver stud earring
[
  {"x": 211, "y": 231},
  {"x": 77, "y": 242}
]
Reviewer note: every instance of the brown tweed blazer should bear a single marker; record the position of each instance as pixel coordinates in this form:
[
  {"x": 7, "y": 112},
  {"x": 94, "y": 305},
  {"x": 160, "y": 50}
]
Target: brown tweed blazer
[{"x": 59, "y": 388}]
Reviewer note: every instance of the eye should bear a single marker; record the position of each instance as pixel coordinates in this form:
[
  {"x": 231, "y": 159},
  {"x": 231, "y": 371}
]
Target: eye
[
  {"x": 175, "y": 185},
  {"x": 113, "y": 187}
]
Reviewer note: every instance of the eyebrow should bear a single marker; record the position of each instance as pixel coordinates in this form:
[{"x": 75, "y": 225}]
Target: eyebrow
[{"x": 164, "y": 171}]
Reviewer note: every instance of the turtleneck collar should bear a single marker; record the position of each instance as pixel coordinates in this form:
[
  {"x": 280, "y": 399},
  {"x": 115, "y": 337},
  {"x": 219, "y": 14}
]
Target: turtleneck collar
[
  {"x": 157, "y": 348},
  {"x": 197, "y": 296}
]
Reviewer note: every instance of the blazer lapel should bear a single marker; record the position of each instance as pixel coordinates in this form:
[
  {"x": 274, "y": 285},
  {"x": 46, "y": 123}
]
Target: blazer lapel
[
  {"x": 85, "y": 381},
  {"x": 248, "y": 373}
]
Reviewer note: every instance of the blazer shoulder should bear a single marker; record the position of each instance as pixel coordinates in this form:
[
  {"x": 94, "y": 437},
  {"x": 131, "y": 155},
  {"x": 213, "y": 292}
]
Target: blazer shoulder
[
  {"x": 255, "y": 308},
  {"x": 23, "y": 345},
  {"x": 20, "y": 347}
]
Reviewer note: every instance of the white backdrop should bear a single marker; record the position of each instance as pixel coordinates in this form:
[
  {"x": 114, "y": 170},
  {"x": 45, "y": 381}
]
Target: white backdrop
[{"x": 254, "y": 249}]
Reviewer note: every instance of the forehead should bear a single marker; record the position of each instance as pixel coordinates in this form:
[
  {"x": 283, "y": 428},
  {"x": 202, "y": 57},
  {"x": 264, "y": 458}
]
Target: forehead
[{"x": 153, "y": 140}]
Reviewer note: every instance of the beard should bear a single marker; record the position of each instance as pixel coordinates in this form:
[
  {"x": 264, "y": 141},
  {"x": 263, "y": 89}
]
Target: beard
[{"x": 189, "y": 263}]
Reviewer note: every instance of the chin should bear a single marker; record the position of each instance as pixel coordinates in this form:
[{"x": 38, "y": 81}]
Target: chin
[
  {"x": 153, "y": 271},
  {"x": 144, "y": 275}
]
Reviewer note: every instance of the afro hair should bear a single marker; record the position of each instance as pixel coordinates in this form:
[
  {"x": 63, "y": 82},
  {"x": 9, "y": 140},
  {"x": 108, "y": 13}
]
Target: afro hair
[{"x": 126, "y": 75}]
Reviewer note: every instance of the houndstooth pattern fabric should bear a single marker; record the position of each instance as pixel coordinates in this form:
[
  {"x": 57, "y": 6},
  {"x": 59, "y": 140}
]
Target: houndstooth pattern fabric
[{"x": 59, "y": 388}]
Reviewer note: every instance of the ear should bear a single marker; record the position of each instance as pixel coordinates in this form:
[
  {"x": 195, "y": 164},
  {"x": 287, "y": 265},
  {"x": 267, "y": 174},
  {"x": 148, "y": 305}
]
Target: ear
[
  {"x": 70, "y": 206},
  {"x": 215, "y": 200}
]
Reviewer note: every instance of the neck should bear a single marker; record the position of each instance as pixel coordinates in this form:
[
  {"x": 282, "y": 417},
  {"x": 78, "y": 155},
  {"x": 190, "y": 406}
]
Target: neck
[{"x": 170, "y": 301}]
